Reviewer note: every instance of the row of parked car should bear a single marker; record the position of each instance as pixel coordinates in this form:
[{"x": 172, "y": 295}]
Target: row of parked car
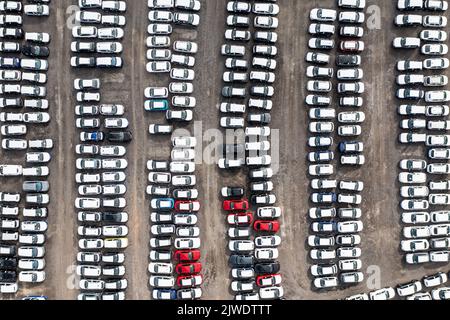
[
  {"x": 335, "y": 216},
  {"x": 413, "y": 290},
  {"x": 262, "y": 79},
  {"x": 426, "y": 234},
  {"x": 22, "y": 84},
  {"x": 253, "y": 240},
  {"x": 179, "y": 62},
  {"x": 175, "y": 236},
  {"x": 255, "y": 271},
  {"x": 98, "y": 33},
  {"x": 102, "y": 233},
  {"x": 101, "y": 175},
  {"x": 175, "y": 267}
]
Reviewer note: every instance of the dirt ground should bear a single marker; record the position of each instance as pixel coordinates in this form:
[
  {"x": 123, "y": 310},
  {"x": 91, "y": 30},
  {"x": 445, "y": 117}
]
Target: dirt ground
[{"x": 381, "y": 215}]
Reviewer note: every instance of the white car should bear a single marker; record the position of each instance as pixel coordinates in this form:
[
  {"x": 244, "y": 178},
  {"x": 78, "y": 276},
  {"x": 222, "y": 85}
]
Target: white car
[
  {"x": 349, "y": 226},
  {"x": 438, "y": 168},
  {"x": 162, "y": 281},
  {"x": 241, "y": 245},
  {"x": 352, "y": 4},
  {"x": 321, "y": 170},
  {"x": 32, "y": 276},
  {"x": 318, "y": 270},
  {"x": 440, "y": 216},
  {"x": 410, "y": 4},
  {"x": 414, "y": 191},
  {"x": 412, "y": 177},
  {"x": 185, "y": 47},
  {"x": 435, "y": 280},
  {"x": 320, "y": 141},
  {"x": 36, "y": 10},
  {"x": 434, "y": 21},
  {"x": 414, "y": 204},
  {"x": 182, "y": 74},
  {"x": 325, "y": 282},
  {"x": 9, "y": 288},
  {"x": 382, "y": 294},
  {"x": 351, "y": 277},
  {"x": 350, "y": 264},
  {"x": 409, "y": 289},
  {"x": 268, "y": 212},
  {"x": 351, "y": 117},
  {"x": 413, "y": 164},
  {"x": 414, "y": 245},
  {"x": 322, "y": 254},
  {"x": 351, "y": 17},
  {"x": 161, "y": 268},
  {"x": 412, "y": 137},
  {"x": 440, "y": 257},
  {"x": 437, "y": 96},
  {"x": 406, "y": 42},
  {"x": 265, "y": 9},
  {"x": 416, "y": 232},
  {"x": 436, "y": 5},
  {"x": 433, "y": 35},
  {"x": 323, "y": 15},
  {"x": 441, "y": 293},
  {"x": 434, "y": 49},
  {"x": 317, "y": 57},
  {"x": 31, "y": 264},
  {"x": 184, "y": 142},
  {"x": 323, "y": 184},
  {"x": 187, "y": 243}
]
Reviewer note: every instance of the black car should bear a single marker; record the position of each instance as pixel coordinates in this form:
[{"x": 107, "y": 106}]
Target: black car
[
  {"x": 241, "y": 261},
  {"x": 229, "y": 150},
  {"x": 119, "y": 136},
  {"x": 348, "y": 60},
  {"x": 8, "y": 276},
  {"x": 8, "y": 264},
  {"x": 35, "y": 51},
  {"x": 112, "y": 217},
  {"x": 231, "y": 192},
  {"x": 267, "y": 268}
]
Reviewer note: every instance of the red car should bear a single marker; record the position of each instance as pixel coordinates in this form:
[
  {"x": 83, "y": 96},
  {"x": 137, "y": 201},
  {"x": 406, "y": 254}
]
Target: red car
[
  {"x": 235, "y": 205},
  {"x": 236, "y": 219},
  {"x": 187, "y": 206},
  {"x": 269, "y": 226},
  {"x": 189, "y": 268},
  {"x": 187, "y": 255},
  {"x": 268, "y": 280},
  {"x": 189, "y": 281}
]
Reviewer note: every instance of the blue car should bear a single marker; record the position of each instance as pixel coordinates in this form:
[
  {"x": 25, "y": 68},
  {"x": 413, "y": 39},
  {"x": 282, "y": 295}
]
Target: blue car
[
  {"x": 164, "y": 294},
  {"x": 324, "y": 226},
  {"x": 92, "y": 136},
  {"x": 156, "y": 105},
  {"x": 9, "y": 63},
  {"x": 162, "y": 204},
  {"x": 351, "y": 147},
  {"x": 35, "y": 298}
]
